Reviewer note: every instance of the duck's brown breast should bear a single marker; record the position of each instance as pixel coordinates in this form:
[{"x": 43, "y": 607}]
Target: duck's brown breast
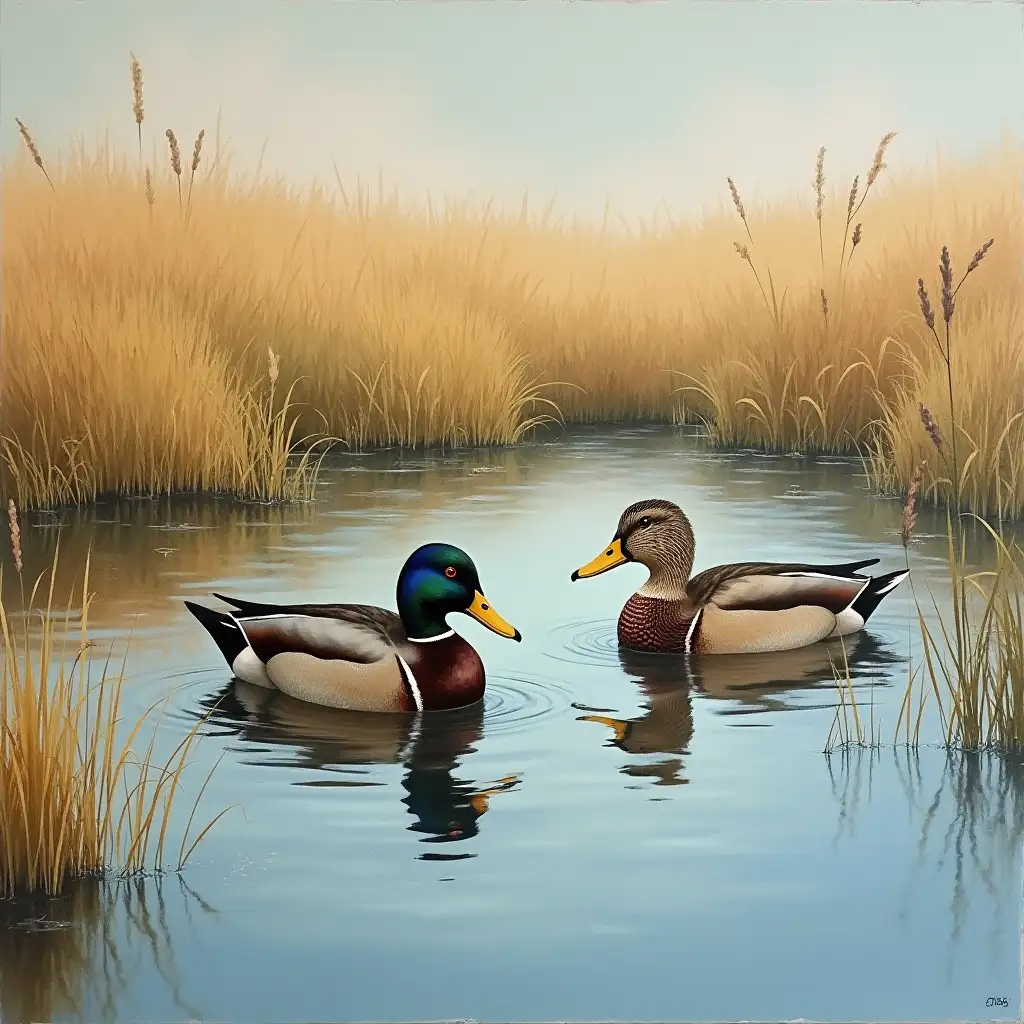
[
  {"x": 655, "y": 624},
  {"x": 448, "y": 672}
]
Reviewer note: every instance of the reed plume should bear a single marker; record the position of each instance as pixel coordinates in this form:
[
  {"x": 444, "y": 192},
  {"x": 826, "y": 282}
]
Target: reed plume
[
  {"x": 853, "y": 205},
  {"x": 197, "y": 150},
  {"x": 137, "y": 108},
  {"x": 34, "y": 151},
  {"x": 172, "y": 143},
  {"x": 930, "y": 426},
  {"x": 909, "y": 519},
  {"x": 744, "y": 253},
  {"x": 12, "y": 518},
  {"x": 819, "y": 205}
]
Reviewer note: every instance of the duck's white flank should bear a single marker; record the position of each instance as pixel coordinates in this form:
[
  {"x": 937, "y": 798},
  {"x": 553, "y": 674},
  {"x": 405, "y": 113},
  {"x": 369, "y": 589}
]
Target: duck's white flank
[
  {"x": 413, "y": 685},
  {"x": 246, "y": 665},
  {"x": 688, "y": 642}
]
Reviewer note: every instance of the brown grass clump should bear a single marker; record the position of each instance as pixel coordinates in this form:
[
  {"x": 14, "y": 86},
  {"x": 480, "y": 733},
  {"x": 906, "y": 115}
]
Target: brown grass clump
[
  {"x": 75, "y": 799},
  {"x": 455, "y": 326}
]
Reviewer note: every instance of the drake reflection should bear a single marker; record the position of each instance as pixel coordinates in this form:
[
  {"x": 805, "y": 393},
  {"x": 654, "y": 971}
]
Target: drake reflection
[{"x": 286, "y": 732}]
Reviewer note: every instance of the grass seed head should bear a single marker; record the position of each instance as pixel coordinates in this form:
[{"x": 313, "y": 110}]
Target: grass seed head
[
  {"x": 736, "y": 201},
  {"x": 930, "y": 426},
  {"x": 819, "y": 184},
  {"x": 853, "y": 198},
  {"x": 979, "y": 256},
  {"x": 926, "y": 304},
  {"x": 197, "y": 149},
  {"x": 172, "y": 142},
  {"x": 946, "y": 272},
  {"x": 878, "y": 164},
  {"x": 909, "y": 520},
  {"x": 12, "y": 518},
  {"x": 137, "y": 107}
]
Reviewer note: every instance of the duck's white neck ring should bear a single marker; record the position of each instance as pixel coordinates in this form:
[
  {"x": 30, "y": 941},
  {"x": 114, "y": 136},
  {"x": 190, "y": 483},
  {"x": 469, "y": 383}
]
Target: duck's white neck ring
[{"x": 430, "y": 639}]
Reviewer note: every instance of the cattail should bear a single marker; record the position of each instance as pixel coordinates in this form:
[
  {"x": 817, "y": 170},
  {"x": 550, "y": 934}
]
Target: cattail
[
  {"x": 819, "y": 184},
  {"x": 909, "y": 520},
  {"x": 275, "y": 366},
  {"x": 824, "y": 303},
  {"x": 979, "y": 256},
  {"x": 137, "y": 108},
  {"x": 926, "y": 305},
  {"x": 853, "y": 198},
  {"x": 946, "y": 272},
  {"x": 878, "y": 164},
  {"x": 930, "y": 426},
  {"x": 36, "y": 158},
  {"x": 172, "y": 142},
  {"x": 12, "y": 517},
  {"x": 744, "y": 252}
]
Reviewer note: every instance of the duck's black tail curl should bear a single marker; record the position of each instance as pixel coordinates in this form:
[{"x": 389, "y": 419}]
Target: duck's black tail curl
[
  {"x": 871, "y": 596},
  {"x": 226, "y": 633}
]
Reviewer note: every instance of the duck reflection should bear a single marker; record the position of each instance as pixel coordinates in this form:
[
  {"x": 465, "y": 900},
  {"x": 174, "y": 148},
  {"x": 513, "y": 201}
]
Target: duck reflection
[
  {"x": 345, "y": 744},
  {"x": 751, "y": 682}
]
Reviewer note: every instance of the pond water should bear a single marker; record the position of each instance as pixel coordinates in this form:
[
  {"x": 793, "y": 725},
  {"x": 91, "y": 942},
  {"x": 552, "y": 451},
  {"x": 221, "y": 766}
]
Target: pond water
[{"x": 517, "y": 861}]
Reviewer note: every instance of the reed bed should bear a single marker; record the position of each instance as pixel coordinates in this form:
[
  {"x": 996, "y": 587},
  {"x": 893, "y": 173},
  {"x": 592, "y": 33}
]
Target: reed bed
[
  {"x": 972, "y": 665},
  {"x": 144, "y": 290},
  {"x": 76, "y": 800}
]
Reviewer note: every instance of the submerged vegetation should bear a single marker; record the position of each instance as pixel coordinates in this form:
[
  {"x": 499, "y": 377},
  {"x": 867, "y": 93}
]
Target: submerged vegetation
[
  {"x": 143, "y": 294},
  {"x": 76, "y": 800}
]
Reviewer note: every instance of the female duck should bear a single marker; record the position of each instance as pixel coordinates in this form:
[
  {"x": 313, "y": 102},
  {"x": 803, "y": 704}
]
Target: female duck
[
  {"x": 361, "y": 657},
  {"x": 729, "y": 609}
]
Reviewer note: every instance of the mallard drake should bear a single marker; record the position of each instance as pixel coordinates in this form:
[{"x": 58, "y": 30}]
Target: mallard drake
[
  {"x": 361, "y": 657},
  {"x": 743, "y": 607}
]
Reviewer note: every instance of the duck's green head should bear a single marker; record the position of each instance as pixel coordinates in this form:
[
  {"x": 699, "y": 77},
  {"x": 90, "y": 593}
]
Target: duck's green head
[{"x": 441, "y": 578}]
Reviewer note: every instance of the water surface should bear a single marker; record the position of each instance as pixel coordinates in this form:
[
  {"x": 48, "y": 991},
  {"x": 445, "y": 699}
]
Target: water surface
[{"x": 607, "y": 836}]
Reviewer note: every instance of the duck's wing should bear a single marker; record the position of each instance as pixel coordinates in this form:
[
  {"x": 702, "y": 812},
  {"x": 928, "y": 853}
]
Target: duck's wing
[
  {"x": 361, "y": 635},
  {"x": 779, "y": 586},
  {"x": 359, "y": 622}
]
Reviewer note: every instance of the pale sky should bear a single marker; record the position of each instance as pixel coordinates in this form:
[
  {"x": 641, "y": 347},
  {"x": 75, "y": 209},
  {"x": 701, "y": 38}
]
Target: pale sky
[{"x": 647, "y": 104}]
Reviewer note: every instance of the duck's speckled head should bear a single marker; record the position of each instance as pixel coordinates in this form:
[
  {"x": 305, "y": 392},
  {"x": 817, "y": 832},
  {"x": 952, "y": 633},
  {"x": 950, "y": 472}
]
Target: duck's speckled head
[
  {"x": 653, "y": 532},
  {"x": 438, "y": 579}
]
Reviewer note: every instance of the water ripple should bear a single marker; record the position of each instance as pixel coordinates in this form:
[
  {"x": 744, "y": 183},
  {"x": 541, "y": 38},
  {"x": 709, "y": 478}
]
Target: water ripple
[
  {"x": 587, "y": 642},
  {"x": 515, "y": 703}
]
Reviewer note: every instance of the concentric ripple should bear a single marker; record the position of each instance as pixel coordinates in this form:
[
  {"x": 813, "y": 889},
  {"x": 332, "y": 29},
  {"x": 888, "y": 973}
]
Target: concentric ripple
[
  {"x": 515, "y": 703},
  {"x": 592, "y": 642}
]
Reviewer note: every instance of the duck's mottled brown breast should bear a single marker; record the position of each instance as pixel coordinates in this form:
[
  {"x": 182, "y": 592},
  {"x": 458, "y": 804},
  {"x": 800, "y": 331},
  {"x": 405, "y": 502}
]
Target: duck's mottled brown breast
[
  {"x": 655, "y": 624},
  {"x": 449, "y": 672}
]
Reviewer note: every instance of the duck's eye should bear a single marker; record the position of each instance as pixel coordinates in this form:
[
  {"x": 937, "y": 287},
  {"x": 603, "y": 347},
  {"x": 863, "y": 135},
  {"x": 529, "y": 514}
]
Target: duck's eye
[
  {"x": 644, "y": 523},
  {"x": 450, "y": 572}
]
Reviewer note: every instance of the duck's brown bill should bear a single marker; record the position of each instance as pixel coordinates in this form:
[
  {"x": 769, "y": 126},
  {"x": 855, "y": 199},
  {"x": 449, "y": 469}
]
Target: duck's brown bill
[
  {"x": 611, "y": 557},
  {"x": 482, "y": 611}
]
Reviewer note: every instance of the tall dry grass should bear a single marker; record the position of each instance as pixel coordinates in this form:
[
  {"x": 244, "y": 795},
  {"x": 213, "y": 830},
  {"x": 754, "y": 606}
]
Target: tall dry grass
[
  {"x": 972, "y": 665},
  {"x": 142, "y": 292},
  {"x": 76, "y": 799}
]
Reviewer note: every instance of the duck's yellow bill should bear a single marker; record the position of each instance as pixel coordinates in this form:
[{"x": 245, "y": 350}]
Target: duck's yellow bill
[
  {"x": 615, "y": 724},
  {"x": 482, "y": 611},
  {"x": 611, "y": 557}
]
